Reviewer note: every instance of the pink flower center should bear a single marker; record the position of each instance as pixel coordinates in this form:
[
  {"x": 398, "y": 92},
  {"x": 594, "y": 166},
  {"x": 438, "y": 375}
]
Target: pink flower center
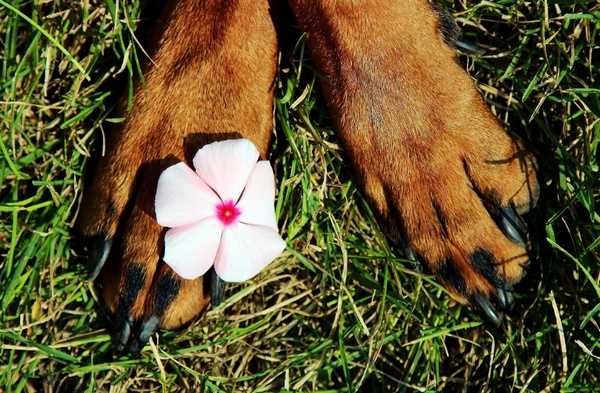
[{"x": 227, "y": 212}]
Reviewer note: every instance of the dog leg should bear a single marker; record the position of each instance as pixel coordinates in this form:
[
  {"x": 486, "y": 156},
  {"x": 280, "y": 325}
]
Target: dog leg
[
  {"x": 447, "y": 180},
  {"x": 211, "y": 78}
]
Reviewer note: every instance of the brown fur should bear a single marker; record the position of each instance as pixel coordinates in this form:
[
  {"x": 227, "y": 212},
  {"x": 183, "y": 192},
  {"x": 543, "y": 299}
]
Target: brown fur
[
  {"x": 212, "y": 78},
  {"x": 424, "y": 146},
  {"x": 422, "y": 141}
]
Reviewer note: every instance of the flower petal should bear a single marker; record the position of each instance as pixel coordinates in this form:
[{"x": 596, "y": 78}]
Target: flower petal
[
  {"x": 191, "y": 250},
  {"x": 258, "y": 200},
  {"x": 182, "y": 197},
  {"x": 245, "y": 250},
  {"x": 226, "y": 165}
]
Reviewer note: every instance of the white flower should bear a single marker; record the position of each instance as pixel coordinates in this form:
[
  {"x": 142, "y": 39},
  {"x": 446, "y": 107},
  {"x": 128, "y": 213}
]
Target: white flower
[{"x": 223, "y": 214}]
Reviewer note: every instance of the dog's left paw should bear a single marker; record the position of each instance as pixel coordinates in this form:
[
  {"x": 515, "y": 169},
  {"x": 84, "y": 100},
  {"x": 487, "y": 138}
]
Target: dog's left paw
[
  {"x": 448, "y": 182},
  {"x": 453, "y": 199}
]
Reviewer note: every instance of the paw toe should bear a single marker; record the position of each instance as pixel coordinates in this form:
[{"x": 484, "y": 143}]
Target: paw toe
[
  {"x": 122, "y": 334},
  {"x": 513, "y": 226},
  {"x": 487, "y": 309},
  {"x": 506, "y": 298},
  {"x": 99, "y": 250}
]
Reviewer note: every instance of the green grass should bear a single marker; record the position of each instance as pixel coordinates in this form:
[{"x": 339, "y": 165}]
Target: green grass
[{"x": 340, "y": 310}]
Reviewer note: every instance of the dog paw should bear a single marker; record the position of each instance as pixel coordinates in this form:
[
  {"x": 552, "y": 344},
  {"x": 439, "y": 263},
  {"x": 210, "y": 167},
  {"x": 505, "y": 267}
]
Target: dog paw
[
  {"x": 448, "y": 182},
  {"x": 457, "y": 207},
  {"x": 201, "y": 87}
]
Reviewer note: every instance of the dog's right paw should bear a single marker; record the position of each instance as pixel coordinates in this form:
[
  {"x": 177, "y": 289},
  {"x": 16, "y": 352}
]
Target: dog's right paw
[
  {"x": 202, "y": 87},
  {"x": 139, "y": 292}
]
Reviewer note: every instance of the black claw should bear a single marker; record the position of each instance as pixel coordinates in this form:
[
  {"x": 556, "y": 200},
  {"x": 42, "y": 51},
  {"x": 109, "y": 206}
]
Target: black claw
[
  {"x": 122, "y": 336},
  {"x": 99, "y": 250},
  {"x": 501, "y": 295},
  {"x": 506, "y": 298},
  {"x": 487, "y": 309},
  {"x": 411, "y": 256},
  {"x": 145, "y": 331},
  {"x": 513, "y": 226},
  {"x": 468, "y": 47},
  {"x": 216, "y": 288}
]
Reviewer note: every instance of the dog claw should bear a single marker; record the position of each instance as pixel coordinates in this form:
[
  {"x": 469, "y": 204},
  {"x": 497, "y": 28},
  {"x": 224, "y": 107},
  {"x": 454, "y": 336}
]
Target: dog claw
[
  {"x": 506, "y": 298},
  {"x": 501, "y": 295},
  {"x": 99, "y": 250},
  {"x": 513, "y": 226},
  {"x": 487, "y": 309},
  {"x": 216, "y": 288},
  {"x": 411, "y": 256},
  {"x": 468, "y": 47},
  {"x": 145, "y": 331},
  {"x": 122, "y": 336}
]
